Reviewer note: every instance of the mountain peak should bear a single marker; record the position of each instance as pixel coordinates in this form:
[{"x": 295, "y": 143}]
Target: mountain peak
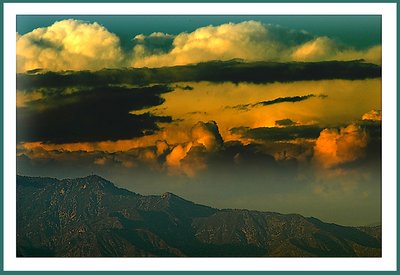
[
  {"x": 98, "y": 182},
  {"x": 94, "y": 177},
  {"x": 168, "y": 195},
  {"x": 125, "y": 224}
]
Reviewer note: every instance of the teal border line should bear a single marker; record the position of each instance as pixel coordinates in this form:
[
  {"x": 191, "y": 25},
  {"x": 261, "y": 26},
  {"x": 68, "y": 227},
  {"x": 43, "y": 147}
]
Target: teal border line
[
  {"x": 187, "y": 272},
  {"x": 2, "y": 141},
  {"x": 397, "y": 131},
  {"x": 202, "y": 1}
]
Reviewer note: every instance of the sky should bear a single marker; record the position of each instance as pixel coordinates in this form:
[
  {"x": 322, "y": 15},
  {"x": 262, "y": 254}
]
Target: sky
[{"x": 271, "y": 113}]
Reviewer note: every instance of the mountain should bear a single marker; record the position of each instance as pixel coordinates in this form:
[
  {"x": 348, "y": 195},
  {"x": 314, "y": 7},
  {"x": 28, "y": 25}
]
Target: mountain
[{"x": 91, "y": 217}]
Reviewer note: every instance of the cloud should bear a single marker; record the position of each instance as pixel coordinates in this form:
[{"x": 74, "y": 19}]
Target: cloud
[
  {"x": 373, "y": 115},
  {"x": 207, "y": 134},
  {"x": 213, "y": 71},
  {"x": 278, "y": 133},
  {"x": 186, "y": 88},
  {"x": 250, "y": 41},
  {"x": 316, "y": 49},
  {"x": 100, "y": 161},
  {"x": 23, "y": 98},
  {"x": 292, "y": 99},
  {"x": 325, "y": 48},
  {"x": 334, "y": 147},
  {"x": 285, "y": 122},
  {"x": 191, "y": 157},
  {"x": 153, "y": 44},
  {"x": 78, "y": 45},
  {"x": 98, "y": 114},
  {"x": 347, "y": 159},
  {"x": 69, "y": 45}
]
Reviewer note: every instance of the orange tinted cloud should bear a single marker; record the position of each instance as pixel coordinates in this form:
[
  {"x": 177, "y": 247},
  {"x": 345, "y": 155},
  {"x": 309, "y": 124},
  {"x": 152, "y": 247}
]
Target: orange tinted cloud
[
  {"x": 178, "y": 153},
  {"x": 209, "y": 101},
  {"x": 334, "y": 147},
  {"x": 25, "y": 97},
  {"x": 189, "y": 158},
  {"x": 375, "y": 115},
  {"x": 207, "y": 134}
]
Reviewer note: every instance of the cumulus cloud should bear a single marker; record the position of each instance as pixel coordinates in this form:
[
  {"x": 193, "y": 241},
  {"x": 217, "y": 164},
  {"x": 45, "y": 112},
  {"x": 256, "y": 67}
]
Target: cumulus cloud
[
  {"x": 177, "y": 154},
  {"x": 325, "y": 48},
  {"x": 191, "y": 157},
  {"x": 245, "y": 40},
  {"x": 334, "y": 147},
  {"x": 69, "y": 45},
  {"x": 374, "y": 115},
  {"x": 78, "y": 45},
  {"x": 153, "y": 44},
  {"x": 249, "y": 40},
  {"x": 207, "y": 134}
]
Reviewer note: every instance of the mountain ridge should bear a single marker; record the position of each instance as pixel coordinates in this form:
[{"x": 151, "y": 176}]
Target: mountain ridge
[{"x": 91, "y": 217}]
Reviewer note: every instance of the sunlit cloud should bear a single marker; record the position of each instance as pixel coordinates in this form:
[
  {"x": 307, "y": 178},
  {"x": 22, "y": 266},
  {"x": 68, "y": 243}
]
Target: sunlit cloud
[
  {"x": 374, "y": 115},
  {"x": 249, "y": 40},
  {"x": 69, "y": 45},
  {"x": 334, "y": 147},
  {"x": 78, "y": 45}
]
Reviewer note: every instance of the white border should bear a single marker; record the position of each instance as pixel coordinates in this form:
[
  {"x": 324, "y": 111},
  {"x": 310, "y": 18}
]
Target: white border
[{"x": 389, "y": 252}]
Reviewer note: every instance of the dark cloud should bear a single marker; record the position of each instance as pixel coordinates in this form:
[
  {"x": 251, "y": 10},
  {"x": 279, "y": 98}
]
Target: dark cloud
[
  {"x": 186, "y": 88},
  {"x": 278, "y": 133},
  {"x": 96, "y": 114},
  {"x": 215, "y": 71},
  {"x": 292, "y": 99},
  {"x": 197, "y": 113},
  {"x": 285, "y": 122}
]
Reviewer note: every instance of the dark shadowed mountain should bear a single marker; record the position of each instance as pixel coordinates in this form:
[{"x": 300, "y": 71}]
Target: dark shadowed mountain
[{"x": 91, "y": 217}]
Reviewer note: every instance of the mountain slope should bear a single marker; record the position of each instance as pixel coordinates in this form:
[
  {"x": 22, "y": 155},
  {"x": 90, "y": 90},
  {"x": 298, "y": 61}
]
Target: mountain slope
[{"x": 90, "y": 217}]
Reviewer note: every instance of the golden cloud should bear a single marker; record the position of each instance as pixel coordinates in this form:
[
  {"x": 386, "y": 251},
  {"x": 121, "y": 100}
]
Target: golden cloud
[
  {"x": 78, "y": 45},
  {"x": 375, "y": 115},
  {"x": 251, "y": 41},
  {"x": 68, "y": 45},
  {"x": 325, "y": 48},
  {"x": 178, "y": 153},
  {"x": 334, "y": 147}
]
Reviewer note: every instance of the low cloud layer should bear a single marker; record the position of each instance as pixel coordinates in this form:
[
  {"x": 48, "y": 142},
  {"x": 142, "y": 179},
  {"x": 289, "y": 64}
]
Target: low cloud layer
[
  {"x": 78, "y": 45},
  {"x": 215, "y": 71}
]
